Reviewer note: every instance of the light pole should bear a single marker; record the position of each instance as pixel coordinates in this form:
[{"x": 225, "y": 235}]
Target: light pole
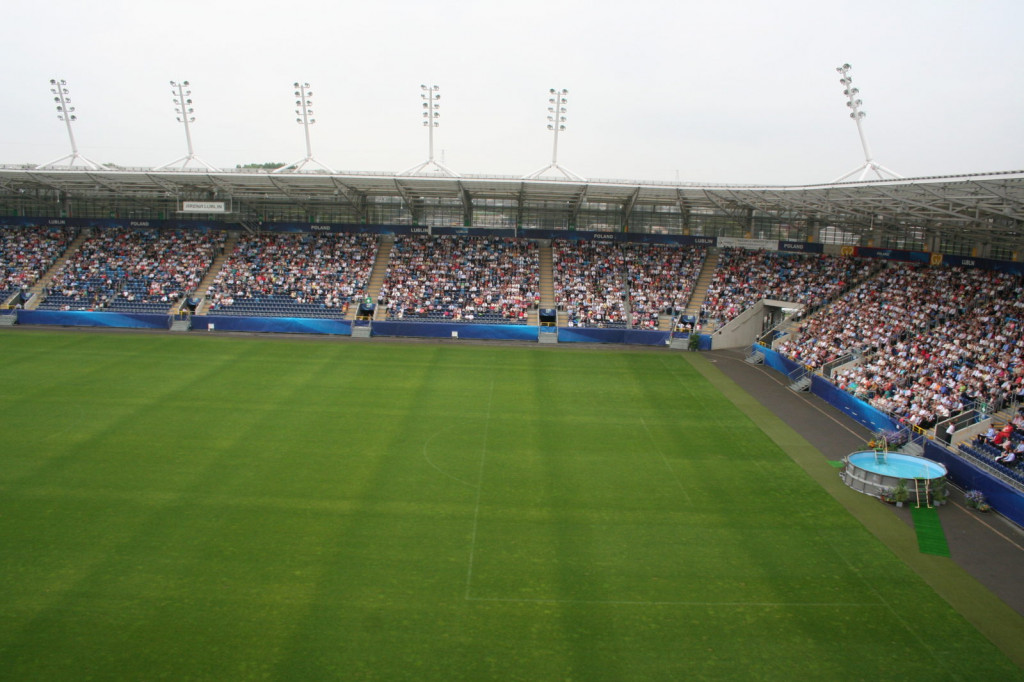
[
  {"x": 431, "y": 105},
  {"x": 857, "y": 115},
  {"x": 183, "y": 108},
  {"x": 304, "y": 115},
  {"x": 556, "y": 124},
  {"x": 66, "y": 113}
]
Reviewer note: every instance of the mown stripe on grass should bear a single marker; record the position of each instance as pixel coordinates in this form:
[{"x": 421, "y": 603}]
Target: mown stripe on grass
[{"x": 1003, "y": 626}]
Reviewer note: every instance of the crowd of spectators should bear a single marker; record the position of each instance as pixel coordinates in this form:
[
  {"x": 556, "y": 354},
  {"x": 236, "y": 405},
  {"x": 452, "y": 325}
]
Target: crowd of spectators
[
  {"x": 133, "y": 270},
  {"x": 660, "y": 280},
  {"x": 1001, "y": 447},
  {"x": 744, "y": 277},
  {"x": 590, "y": 283},
  {"x": 311, "y": 273},
  {"x": 933, "y": 340},
  {"x": 465, "y": 279},
  {"x": 26, "y": 253}
]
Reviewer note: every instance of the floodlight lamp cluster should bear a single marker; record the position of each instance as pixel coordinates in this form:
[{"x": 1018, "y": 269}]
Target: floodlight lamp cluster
[
  {"x": 182, "y": 99},
  {"x": 431, "y": 105},
  {"x": 304, "y": 102},
  {"x": 64, "y": 109},
  {"x": 850, "y": 92},
  {"x": 557, "y": 109}
]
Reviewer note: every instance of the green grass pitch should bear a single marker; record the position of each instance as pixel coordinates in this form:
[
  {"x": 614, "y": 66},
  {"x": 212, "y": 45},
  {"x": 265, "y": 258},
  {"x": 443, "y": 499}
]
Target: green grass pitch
[{"x": 193, "y": 507}]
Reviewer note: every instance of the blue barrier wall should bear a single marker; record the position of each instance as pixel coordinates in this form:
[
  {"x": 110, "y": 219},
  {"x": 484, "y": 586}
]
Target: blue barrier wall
[
  {"x": 1003, "y": 497},
  {"x": 507, "y": 332},
  {"x": 624, "y": 336},
  {"x": 85, "y": 318},
  {"x": 776, "y": 361},
  {"x": 278, "y": 325},
  {"x": 862, "y": 412}
]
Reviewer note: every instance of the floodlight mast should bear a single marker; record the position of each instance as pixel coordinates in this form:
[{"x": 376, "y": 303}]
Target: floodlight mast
[
  {"x": 556, "y": 124},
  {"x": 66, "y": 113},
  {"x": 431, "y": 113},
  {"x": 857, "y": 115},
  {"x": 305, "y": 118},
  {"x": 183, "y": 108}
]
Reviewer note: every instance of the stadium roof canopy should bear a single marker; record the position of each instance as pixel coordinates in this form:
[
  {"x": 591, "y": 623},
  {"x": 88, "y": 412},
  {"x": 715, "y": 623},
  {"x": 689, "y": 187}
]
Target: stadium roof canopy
[{"x": 982, "y": 207}]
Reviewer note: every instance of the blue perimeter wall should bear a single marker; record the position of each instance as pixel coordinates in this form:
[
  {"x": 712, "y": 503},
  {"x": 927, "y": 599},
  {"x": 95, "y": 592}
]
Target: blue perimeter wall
[
  {"x": 84, "y": 318},
  {"x": 443, "y": 330},
  {"x": 624, "y": 336},
  {"x": 308, "y": 325},
  {"x": 278, "y": 325},
  {"x": 1003, "y": 497}
]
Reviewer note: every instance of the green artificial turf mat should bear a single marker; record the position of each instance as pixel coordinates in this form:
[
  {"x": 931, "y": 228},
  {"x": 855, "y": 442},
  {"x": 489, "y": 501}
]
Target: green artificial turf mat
[{"x": 930, "y": 536}]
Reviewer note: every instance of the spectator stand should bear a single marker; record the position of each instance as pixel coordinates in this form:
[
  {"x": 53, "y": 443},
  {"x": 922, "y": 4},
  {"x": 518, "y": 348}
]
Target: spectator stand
[
  {"x": 26, "y": 254},
  {"x": 660, "y": 280},
  {"x": 744, "y": 277},
  {"x": 143, "y": 271},
  {"x": 961, "y": 346},
  {"x": 590, "y": 284},
  {"x": 293, "y": 276},
  {"x": 461, "y": 279}
]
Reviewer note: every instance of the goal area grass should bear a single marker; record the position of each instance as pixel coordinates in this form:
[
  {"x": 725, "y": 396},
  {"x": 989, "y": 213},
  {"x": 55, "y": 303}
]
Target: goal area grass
[{"x": 231, "y": 508}]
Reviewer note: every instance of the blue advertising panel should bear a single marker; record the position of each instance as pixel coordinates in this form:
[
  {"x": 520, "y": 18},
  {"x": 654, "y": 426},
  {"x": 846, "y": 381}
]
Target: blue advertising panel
[
  {"x": 623, "y": 336},
  {"x": 443, "y": 330},
  {"x": 279, "y": 325},
  {"x": 85, "y": 318}
]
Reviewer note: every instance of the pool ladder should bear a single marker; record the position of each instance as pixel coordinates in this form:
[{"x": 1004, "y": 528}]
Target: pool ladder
[{"x": 917, "y": 491}]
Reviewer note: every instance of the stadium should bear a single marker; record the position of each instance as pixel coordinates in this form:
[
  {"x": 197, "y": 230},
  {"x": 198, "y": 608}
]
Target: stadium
[{"x": 295, "y": 423}]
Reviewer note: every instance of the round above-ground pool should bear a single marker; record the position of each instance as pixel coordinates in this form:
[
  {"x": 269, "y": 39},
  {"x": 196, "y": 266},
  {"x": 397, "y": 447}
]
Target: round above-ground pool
[{"x": 872, "y": 473}]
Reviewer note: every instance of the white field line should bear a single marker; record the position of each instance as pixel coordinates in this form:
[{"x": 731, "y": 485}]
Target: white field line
[
  {"x": 894, "y": 613},
  {"x": 426, "y": 445},
  {"x": 664, "y": 459}
]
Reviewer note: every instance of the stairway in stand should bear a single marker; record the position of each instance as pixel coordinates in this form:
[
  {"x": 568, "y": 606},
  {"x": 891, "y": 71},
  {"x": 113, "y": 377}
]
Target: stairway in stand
[
  {"x": 700, "y": 289},
  {"x": 37, "y": 289},
  {"x": 215, "y": 267},
  {"x": 377, "y": 274},
  {"x": 547, "y": 281}
]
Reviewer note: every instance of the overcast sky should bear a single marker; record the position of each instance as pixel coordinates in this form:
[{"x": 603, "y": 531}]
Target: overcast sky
[{"x": 710, "y": 91}]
